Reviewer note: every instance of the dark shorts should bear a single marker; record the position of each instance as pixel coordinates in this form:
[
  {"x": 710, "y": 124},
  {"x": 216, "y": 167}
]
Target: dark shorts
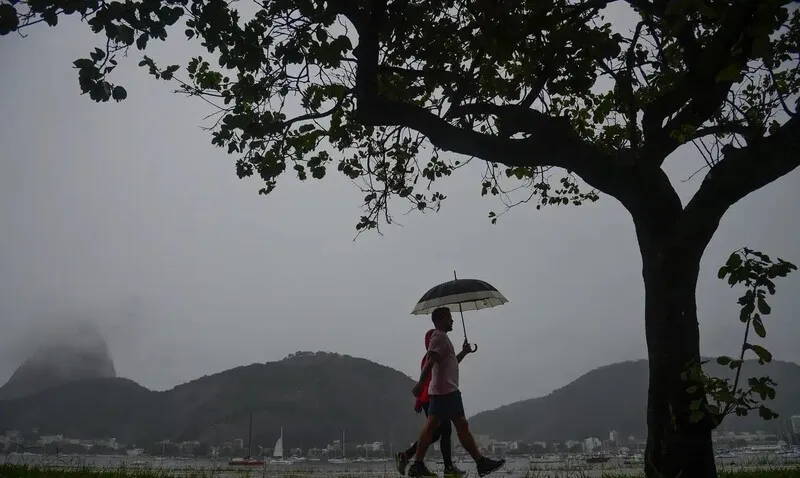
[{"x": 446, "y": 407}]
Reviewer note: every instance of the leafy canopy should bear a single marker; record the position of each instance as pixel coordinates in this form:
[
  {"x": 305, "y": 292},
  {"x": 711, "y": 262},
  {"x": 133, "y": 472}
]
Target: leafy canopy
[{"x": 379, "y": 89}]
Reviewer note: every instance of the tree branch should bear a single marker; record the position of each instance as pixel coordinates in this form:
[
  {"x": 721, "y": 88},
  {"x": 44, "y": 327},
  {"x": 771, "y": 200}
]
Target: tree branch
[
  {"x": 367, "y": 54},
  {"x": 550, "y": 142},
  {"x": 698, "y": 94},
  {"x": 739, "y": 173}
]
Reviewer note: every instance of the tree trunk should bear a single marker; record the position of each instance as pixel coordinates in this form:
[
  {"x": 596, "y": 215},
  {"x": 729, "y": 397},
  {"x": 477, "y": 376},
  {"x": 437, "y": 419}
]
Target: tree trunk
[{"x": 676, "y": 446}]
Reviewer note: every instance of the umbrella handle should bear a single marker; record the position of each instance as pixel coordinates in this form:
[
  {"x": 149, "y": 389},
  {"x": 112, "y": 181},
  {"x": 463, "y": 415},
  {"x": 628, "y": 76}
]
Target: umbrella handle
[{"x": 474, "y": 348}]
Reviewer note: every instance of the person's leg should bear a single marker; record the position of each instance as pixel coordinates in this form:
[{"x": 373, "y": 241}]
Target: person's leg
[
  {"x": 436, "y": 434},
  {"x": 485, "y": 465},
  {"x": 466, "y": 438},
  {"x": 427, "y": 436},
  {"x": 401, "y": 460},
  {"x": 445, "y": 444},
  {"x": 411, "y": 451}
]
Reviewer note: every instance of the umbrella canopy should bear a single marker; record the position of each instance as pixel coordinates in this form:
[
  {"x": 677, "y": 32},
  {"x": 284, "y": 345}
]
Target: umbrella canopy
[{"x": 459, "y": 295}]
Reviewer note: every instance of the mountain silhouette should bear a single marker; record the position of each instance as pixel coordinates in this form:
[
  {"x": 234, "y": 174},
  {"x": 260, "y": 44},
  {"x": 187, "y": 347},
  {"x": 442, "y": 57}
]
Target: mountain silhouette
[
  {"x": 313, "y": 396},
  {"x": 316, "y": 395},
  {"x": 614, "y": 397},
  {"x": 74, "y": 352}
]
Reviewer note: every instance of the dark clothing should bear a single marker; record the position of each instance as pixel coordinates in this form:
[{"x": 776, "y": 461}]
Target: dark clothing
[
  {"x": 447, "y": 407},
  {"x": 443, "y": 434}
]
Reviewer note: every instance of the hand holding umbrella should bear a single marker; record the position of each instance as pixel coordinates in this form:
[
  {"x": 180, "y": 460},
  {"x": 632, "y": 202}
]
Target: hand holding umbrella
[{"x": 467, "y": 348}]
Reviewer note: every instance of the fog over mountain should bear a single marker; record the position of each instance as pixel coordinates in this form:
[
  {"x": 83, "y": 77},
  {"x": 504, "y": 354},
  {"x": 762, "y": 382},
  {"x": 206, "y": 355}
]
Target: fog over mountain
[{"x": 62, "y": 353}]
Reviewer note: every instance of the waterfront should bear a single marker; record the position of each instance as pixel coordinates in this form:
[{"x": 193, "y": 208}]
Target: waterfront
[{"x": 516, "y": 466}]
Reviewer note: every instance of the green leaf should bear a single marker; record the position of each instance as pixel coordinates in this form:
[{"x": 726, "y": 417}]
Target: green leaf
[
  {"x": 764, "y": 356},
  {"x": 97, "y": 55},
  {"x": 763, "y": 307},
  {"x": 747, "y": 311},
  {"x": 722, "y": 272},
  {"x": 724, "y": 360},
  {"x": 766, "y": 413},
  {"x": 734, "y": 261},
  {"x": 83, "y": 63},
  {"x": 119, "y": 93},
  {"x": 50, "y": 17},
  {"x": 141, "y": 42},
  {"x": 9, "y": 21},
  {"x": 758, "y": 326}
]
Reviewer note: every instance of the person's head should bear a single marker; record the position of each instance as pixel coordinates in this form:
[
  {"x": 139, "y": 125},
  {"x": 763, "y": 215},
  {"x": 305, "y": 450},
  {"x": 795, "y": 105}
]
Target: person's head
[
  {"x": 442, "y": 319},
  {"x": 428, "y": 338}
]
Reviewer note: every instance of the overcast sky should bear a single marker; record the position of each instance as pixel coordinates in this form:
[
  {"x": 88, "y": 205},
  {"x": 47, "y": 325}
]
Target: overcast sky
[{"x": 126, "y": 214}]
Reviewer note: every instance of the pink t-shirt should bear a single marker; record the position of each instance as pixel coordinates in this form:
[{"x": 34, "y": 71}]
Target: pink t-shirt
[{"x": 444, "y": 375}]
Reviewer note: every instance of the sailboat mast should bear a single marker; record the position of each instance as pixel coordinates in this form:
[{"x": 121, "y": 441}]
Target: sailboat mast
[{"x": 250, "y": 437}]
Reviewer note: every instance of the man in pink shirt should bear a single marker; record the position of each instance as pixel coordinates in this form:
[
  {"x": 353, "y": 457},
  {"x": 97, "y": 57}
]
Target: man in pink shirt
[{"x": 445, "y": 398}]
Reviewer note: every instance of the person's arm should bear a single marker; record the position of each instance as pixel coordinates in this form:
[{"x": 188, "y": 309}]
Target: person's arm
[
  {"x": 466, "y": 349},
  {"x": 433, "y": 357}
]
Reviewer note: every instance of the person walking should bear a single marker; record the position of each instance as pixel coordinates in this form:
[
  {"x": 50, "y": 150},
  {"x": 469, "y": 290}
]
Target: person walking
[
  {"x": 445, "y": 398},
  {"x": 443, "y": 433}
]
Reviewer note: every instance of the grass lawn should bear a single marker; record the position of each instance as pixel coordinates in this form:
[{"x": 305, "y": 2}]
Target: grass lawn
[{"x": 22, "y": 471}]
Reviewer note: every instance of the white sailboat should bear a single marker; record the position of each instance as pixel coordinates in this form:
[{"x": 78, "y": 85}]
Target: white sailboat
[
  {"x": 277, "y": 454},
  {"x": 343, "y": 459}
]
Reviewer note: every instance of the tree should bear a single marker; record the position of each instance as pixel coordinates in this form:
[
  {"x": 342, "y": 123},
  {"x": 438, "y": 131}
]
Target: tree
[{"x": 546, "y": 93}]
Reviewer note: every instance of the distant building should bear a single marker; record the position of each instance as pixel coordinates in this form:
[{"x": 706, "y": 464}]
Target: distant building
[
  {"x": 376, "y": 446},
  {"x": 613, "y": 436},
  {"x": 570, "y": 444},
  {"x": 591, "y": 443},
  {"x": 372, "y": 447},
  {"x": 483, "y": 441},
  {"x": 238, "y": 443},
  {"x": 107, "y": 442},
  {"x": 48, "y": 439},
  {"x": 795, "y": 423}
]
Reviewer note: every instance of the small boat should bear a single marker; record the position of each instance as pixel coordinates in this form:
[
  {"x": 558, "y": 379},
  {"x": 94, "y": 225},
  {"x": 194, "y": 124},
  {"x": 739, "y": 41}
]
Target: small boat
[
  {"x": 248, "y": 460},
  {"x": 277, "y": 455},
  {"x": 343, "y": 459},
  {"x": 546, "y": 459},
  {"x": 597, "y": 459},
  {"x": 636, "y": 459}
]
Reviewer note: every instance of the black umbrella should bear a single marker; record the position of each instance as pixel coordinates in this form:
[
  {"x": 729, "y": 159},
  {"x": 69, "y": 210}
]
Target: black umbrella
[{"x": 460, "y": 295}]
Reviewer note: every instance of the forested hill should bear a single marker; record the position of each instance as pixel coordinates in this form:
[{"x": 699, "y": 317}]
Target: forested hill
[
  {"x": 614, "y": 397},
  {"x": 313, "y": 396}
]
